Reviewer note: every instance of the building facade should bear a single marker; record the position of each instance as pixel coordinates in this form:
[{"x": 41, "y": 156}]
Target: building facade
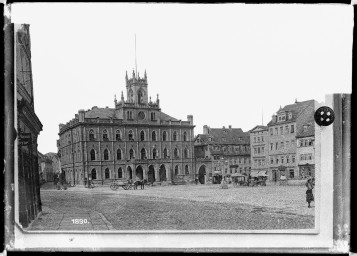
[
  {"x": 28, "y": 129},
  {"x": 135, "y": 139},
  {"x": 284, "y": 129},
  {"x": 221, "y": 151},
  {"x": 259, "y": 149}
]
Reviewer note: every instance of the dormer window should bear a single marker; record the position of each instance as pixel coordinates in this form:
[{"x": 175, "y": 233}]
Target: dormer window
[
  {"x": 91, "y": 135},
  {"x": 131, "y": 137},
  {"x": 118, "y": 135},
  {"x": 290, "y": 115},
  {"x": 105, "y": 135},
  {"x": 305, "y": 127}
]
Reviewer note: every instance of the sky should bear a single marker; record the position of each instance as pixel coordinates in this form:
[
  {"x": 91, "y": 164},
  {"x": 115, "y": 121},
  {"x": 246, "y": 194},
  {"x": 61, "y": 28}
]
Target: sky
[{"x": 225, "y": 64}]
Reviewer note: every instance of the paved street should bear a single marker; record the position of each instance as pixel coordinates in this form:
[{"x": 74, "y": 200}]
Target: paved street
[{"x": 185, "y": 207}]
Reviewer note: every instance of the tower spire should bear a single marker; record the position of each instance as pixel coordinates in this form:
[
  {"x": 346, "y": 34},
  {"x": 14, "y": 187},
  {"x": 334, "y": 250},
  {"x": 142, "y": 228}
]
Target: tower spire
[{"x": 136, "y": 67}]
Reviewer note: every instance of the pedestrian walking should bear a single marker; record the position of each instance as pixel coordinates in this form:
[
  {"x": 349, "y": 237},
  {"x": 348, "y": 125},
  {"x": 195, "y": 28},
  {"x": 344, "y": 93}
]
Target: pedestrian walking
[{"x": 309, "y": 195}]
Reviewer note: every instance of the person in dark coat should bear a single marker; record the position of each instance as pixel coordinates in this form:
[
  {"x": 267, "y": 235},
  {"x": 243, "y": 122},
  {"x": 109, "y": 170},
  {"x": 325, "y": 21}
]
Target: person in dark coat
[{"x": 309, "y": 195}]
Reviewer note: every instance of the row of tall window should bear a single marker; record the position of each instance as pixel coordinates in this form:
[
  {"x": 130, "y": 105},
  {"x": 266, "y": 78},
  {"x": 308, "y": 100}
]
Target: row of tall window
[
  {"x": 240, "y": 160},
  {"x": 259, "y": 162},
  {"x": 258, "y": 139},
  {"x": 282, "y": 159},
  {"x": 282, "y": 145},
  {"x": 306, "y": 157},
  {"x": 143, "y": 154},
  {"x": 280, "y": 130},
  {"x": 142, "y": 135},
  {"x": 306, "y": 142},
  {"x": 259, "y": 150}
]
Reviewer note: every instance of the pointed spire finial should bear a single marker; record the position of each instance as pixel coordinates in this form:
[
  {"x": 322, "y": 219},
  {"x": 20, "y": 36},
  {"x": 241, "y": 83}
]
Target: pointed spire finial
[
  {"x": 126, "y": 75},
  {"x": 115, "y": 99},
  {"x": 145, "y": 76},
  {"x": 122, "y": 96},
  {"x": 133, "y": 73}
]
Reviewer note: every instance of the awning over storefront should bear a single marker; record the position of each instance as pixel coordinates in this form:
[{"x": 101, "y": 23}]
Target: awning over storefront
[{"x": 258, "y": 174}]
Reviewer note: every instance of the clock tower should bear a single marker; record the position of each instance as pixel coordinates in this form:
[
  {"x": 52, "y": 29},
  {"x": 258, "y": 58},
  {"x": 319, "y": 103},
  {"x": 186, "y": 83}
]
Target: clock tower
[{"x": 137, "y": 89}]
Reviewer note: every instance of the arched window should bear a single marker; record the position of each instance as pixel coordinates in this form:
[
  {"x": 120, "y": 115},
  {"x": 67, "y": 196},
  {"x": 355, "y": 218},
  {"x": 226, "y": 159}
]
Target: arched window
[
  {"x": 164, "y": 136},
  {"x": 94, "y": 174},
  {"x": 174, "y": 136},
  {"x": 131, "y": 153},
  {"x": 142, "y": 135},
  {"x": 120, "y": 173},
  {"x": 154, "y": 153},
  {"x": 141, "y": 96},
  {"x": 106, "y": 154},
  {"x": 185, "y": 136},
  {"x": 106, "y": 174},
  {"x": 165, "y": 153},
  {"x": 131, "y": 94},
  {"x": 143, "y": 153},
  {"x": 117, "y": 135},
  {"x": 176, "y": 170},
  {"x": 105, "y": 135},
  {"x": 91, "y": 135},
  {"x": 176, "y": 153},
  {"x": 119, "y": 156},
  {"x": 187, "y": 172},
  {"x": 185, "y": 153},
  {"x": 153, "y": 136},
  {"x": 131, "y": 136},
  {"x": 92, "y": 155}
]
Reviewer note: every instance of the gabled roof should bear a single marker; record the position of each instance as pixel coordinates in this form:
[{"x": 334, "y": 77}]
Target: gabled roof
[
  {"x": 96, "y": 112},
  {"x": 106, "y": 113},
  {"x": 225, "y": 136},
  {"x": 259, "y": 127},
  {"x": 295, "y": 109}
]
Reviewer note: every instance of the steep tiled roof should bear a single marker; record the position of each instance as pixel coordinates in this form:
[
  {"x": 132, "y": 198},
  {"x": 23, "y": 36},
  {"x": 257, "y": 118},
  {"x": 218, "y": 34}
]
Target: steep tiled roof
[
  {"x": 103, "y": 113},
  {"x": 166, "y": 117},
  {"x": 306, "y": 122},
  {"x": 296, "y": 109},
  {"x": 112, "y": 113},
  {"x": 225, "y": 136}
]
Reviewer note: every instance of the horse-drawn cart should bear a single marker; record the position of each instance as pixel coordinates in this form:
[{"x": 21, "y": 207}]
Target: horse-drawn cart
[{"x": 116, "y": 184}]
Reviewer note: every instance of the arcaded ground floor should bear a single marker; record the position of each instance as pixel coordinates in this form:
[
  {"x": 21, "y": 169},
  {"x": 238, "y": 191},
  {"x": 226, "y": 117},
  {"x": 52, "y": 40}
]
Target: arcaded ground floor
[{"x": 180, "y": 207}]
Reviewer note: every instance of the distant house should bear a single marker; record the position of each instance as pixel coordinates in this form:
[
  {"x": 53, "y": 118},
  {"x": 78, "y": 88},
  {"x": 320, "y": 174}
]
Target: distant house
[{"x": 221, "y": 151}]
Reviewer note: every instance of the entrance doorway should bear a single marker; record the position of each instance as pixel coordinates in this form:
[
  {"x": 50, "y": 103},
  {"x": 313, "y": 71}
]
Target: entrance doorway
[
  {"x": 162, "y": 173},
  {"x": 139, "y": 172},
  {"x": 151, "y": 174},
  {"x": 202, "y": 174},
  {"x": 129, "y": 172}
]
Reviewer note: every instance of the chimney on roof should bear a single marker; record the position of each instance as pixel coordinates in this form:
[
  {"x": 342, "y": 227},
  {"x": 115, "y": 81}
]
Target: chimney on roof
[
  {"x": 296, "y": 101},
  {"x": 224, "y": 127},
  {"x": 230, "y": 126},
  {"x": 81, "y": 115},
  {"x": 60, "y": 126},
  {"x": 205, "y": 129},
  {"x": 190, "y": 119}
]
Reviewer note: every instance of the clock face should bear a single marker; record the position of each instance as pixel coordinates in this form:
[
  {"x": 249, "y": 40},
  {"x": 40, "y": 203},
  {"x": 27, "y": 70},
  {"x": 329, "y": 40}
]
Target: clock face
[{"x": 141, "y": 115}]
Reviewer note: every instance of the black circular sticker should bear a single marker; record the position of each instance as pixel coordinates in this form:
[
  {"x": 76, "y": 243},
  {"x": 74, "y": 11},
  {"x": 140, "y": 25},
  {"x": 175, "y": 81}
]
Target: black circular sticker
[{"x": 324, "y": 116}]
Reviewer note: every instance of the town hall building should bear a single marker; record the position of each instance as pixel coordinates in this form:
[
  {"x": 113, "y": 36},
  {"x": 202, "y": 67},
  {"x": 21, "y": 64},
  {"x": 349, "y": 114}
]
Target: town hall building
[{"x": 135, "y": 139}]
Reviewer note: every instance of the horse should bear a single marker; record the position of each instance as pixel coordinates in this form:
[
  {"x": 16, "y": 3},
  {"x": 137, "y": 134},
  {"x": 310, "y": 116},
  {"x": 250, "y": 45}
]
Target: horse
[{"x": 141, "y": 183}]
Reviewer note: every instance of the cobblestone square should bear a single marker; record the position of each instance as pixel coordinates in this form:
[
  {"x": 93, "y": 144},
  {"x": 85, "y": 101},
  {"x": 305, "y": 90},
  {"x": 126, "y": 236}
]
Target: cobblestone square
[{"x": 182, "y": 207}]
